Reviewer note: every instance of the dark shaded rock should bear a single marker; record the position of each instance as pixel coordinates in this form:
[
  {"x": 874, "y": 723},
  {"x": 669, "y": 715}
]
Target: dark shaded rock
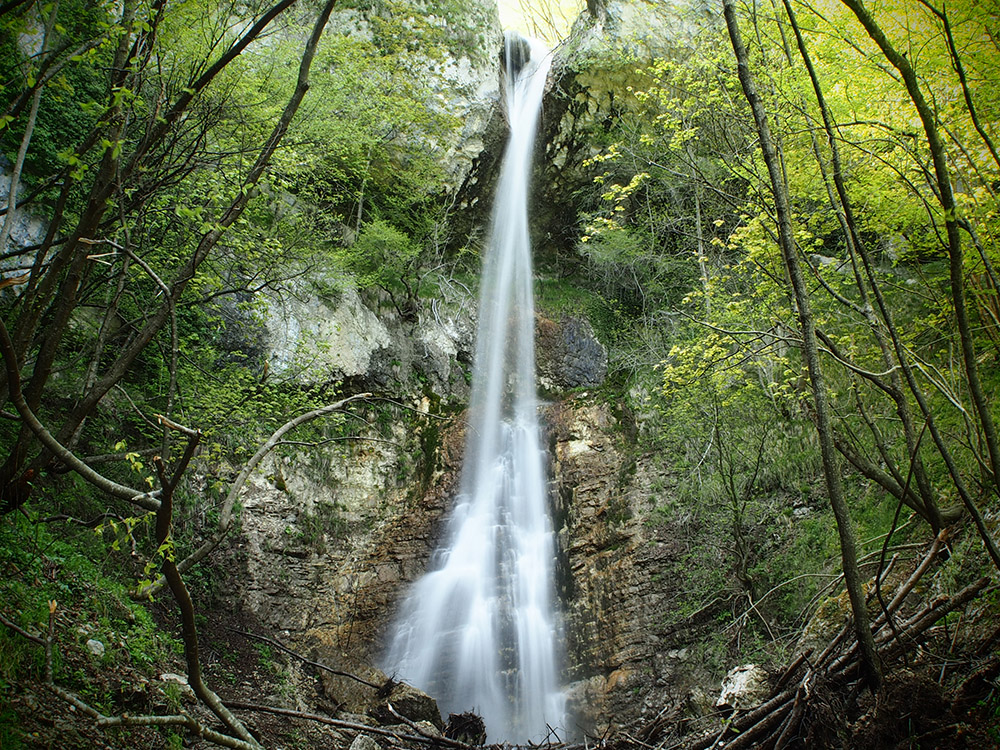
[
  {"x": 241, "y": 339},
  {"x": 409, "y": 702},
  {"x": 590, "y": 91},
  {"x": 569, "y": 354},
  {"x": 516, "y": 52}
]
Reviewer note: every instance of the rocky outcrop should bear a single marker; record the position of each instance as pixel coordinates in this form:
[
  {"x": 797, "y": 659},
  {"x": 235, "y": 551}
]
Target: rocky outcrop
[
  {"x": 569, "y": 354},
  {"x": 627, "y": 655},
  {"x": 322, "y": 333},
  {"x": 26, "y": 231},
  {"x": 332, "y": 539},
  {"x": 592, "y": 87},
  {"x": 455, "y": 61}
]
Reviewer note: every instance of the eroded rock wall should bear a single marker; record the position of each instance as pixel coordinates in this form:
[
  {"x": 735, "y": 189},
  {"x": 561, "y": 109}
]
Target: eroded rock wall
[{"x": 626, "y": 655}]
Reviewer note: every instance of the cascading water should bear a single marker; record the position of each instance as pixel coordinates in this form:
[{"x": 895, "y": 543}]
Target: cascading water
[{"x": 478, "y": 632}]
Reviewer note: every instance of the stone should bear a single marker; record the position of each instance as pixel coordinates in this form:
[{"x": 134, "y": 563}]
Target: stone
[
  {"x": 569, "y": 354},
  {"x": 28, "y": 230},
  {"x": 185, "y": 690},
  {"x": 364, "y": 742},
  {"x": 516, "y": 52},
  {"x": 743, "y": 687},
  {"x": 317, "y": 337},
  {"x": 95, "y": 647},
  {"x": 699, "y": 702},
  {"x": 407, "y": 701}
]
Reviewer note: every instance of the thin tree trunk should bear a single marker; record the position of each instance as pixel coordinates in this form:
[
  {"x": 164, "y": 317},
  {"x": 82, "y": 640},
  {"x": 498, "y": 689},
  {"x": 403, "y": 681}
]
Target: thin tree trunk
[
  {"x": 208, "y": 241},
  {"x": 858, "y": 249},
  {"x": 946, "y": 197},
  {"x": 831, "y": 467}
]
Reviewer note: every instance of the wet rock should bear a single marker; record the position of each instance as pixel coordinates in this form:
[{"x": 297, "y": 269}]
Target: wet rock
[
  {"x": 516, "y": 52},
  {"x": 569, "y": 354}
]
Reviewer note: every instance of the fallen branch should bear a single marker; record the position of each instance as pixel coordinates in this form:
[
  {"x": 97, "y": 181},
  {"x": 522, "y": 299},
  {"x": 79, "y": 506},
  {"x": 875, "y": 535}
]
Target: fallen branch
[
  {"x": 303, "y": 659},
  {"x": 437, "y": 739},
  {"x": 337, "y": 723}
]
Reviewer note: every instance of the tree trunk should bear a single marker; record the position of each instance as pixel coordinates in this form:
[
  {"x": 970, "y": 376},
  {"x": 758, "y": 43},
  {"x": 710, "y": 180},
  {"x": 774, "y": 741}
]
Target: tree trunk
[{"x": 810, "y": 350}]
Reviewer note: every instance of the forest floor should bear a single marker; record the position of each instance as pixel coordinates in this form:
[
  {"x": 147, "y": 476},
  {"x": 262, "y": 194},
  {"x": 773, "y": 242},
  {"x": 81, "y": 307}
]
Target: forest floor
[{"x": 941, "y": 690}]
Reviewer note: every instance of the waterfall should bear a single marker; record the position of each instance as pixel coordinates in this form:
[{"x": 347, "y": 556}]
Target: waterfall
[{"x": 478, "y": 632}]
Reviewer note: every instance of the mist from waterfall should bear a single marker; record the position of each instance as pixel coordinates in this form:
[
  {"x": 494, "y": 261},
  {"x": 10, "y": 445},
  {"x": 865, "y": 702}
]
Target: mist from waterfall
[{"x": 478, "y": 632}]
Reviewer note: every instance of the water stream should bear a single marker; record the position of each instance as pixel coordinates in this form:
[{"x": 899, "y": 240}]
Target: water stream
[{"x": 478, "y": 632}]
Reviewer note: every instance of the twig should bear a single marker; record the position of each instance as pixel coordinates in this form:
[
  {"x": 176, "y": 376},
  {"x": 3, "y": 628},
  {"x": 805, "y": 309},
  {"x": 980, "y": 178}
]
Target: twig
[
  {"x": 145, "y": 500},
  {"x": 21, "y": 631},
  {"x": 338, "y": 723},
  {"x": 302, "y": 658},
  {"x": 79, "y": 521},
  {"x": 226, "y": 515}
]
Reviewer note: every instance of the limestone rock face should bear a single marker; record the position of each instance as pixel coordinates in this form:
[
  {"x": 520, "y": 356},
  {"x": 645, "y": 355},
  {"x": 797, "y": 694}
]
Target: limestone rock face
[
  {"x": 317, "y": 336},
  {"x": 331, "y": 541},
  {"x": 593, "y": 77},
  {"x": 626, "y": 656},
  {"x": 462, "y": 73},
  {"x": 26, "y": 231},
  {"x": 318, "y": 339}
]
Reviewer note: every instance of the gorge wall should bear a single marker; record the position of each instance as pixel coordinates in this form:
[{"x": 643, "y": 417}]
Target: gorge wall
[{"x": 331, "y": 537}]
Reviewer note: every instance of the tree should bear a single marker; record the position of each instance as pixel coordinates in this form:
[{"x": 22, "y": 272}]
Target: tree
[
  {"x": 150, "y": 137},
  {"x": 39, "y": 303},
  {"x": 831, "y": 469}
]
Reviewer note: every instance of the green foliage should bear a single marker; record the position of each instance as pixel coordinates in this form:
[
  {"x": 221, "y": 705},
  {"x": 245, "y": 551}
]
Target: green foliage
[
  {"x": 369, "y": 138},
  {"x": 326, "y": 523},
  {"x": 91, "y": 592},
  {"x": 381, "y": 256},
  {"x": 72, "y": 101}
]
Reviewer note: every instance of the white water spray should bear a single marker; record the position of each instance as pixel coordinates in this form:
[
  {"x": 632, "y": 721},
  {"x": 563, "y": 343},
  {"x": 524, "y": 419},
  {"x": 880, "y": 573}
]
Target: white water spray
[{"x": 478, "y": 632}]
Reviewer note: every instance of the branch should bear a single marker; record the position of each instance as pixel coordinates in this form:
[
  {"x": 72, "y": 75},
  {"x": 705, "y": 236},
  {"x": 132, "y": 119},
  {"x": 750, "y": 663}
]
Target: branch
[
  {"x": 424, "y": 733},
  {"x": 303, "y": 659},
  {"x": 145, "y": 500},
  {"x": 226, "y": 515}
]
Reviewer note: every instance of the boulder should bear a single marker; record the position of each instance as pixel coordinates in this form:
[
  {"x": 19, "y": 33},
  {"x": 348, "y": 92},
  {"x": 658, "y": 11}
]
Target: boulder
[
  {"x": 569, "y": 354},
  {"x": 745, "y": 686},
  {"x": 409, "y": 702},
  {"x": 364, "y": 742}
]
